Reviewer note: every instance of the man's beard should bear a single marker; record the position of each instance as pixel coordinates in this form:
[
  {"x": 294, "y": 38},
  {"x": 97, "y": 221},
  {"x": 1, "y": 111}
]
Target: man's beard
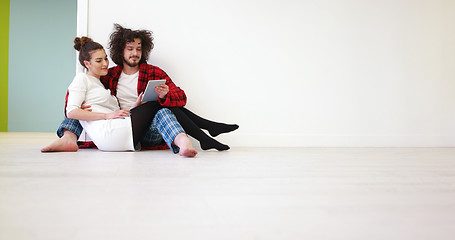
[{"x": 134, "y": 64}]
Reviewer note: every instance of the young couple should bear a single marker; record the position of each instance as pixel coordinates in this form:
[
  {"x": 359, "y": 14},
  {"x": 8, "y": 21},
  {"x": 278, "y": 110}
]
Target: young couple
[{"x": 107, "y": 102}]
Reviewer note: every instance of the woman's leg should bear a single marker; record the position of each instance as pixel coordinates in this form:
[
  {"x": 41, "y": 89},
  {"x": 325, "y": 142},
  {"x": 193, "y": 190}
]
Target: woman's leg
[
  {"x": 195, "y": 131},
  {"x": 214, "y": 128},
  {"x": 141, "y": 118}
]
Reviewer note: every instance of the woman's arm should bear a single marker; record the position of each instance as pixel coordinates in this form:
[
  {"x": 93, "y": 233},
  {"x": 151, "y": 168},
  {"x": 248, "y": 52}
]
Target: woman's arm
[
  {"x": 85, "y": 115},
  {"x": 76, "y": 98}
]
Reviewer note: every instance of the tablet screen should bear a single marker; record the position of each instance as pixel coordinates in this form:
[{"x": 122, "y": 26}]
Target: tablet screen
[{"x": 150, "y": 93}]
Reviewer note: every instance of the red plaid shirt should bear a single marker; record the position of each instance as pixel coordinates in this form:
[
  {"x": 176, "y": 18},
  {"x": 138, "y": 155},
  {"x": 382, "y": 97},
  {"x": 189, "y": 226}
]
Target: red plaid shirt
[{"x": 175, "y": 98}]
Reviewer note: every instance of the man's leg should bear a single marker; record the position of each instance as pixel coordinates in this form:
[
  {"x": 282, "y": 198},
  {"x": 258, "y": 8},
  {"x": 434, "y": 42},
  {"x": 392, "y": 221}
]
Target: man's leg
[
  {"x": 165, "y": 127},
  {"x": 68, "y": 133}
]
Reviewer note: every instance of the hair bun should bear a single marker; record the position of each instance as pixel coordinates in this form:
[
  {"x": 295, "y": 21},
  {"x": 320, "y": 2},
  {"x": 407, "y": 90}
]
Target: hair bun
[{"x": 79, "y": 42}]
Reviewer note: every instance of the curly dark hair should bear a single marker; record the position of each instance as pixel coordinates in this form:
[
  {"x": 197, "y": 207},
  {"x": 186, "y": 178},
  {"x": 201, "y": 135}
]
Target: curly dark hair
[{"x": 121, "y": 36}]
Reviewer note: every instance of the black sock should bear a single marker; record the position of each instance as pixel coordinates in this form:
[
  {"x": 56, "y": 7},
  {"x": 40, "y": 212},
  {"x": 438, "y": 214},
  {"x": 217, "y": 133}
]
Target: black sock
[
  {"x": 222, "y": 128},
  {"x": 214, "y": 128},
  {"x": 195, "y": 131},
  {"x": 216, "y": 145}
]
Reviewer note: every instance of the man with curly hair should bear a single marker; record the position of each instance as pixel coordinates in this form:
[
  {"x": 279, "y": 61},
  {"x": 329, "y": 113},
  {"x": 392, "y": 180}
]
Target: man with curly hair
[{"x": 130, "y": 50}]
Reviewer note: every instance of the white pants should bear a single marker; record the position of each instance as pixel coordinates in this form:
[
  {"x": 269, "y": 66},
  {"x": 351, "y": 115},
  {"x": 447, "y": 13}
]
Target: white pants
[{"x": 111, "y": 135}]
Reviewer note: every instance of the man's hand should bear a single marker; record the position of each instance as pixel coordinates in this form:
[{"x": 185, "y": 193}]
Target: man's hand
[
  {"x": 162, "y": 90},
  {"x": 86, "y": 107},
  {"x": 138, "y": 101}
]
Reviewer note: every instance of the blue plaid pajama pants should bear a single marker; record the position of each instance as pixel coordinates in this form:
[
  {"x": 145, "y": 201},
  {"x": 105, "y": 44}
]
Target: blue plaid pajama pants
[{"x": 164, "y": 127}]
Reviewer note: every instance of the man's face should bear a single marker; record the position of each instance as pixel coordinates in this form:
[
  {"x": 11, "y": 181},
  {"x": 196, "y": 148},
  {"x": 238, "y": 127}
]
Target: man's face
[{"x": 132, "y": 53}]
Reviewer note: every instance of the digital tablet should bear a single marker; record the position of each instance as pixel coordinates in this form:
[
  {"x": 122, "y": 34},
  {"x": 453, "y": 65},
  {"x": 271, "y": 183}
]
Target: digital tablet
[{"x": 150, "y": 93}]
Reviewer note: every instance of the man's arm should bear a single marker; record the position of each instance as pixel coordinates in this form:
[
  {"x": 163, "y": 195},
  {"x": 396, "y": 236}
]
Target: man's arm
[{"x": 175, "y": 97}]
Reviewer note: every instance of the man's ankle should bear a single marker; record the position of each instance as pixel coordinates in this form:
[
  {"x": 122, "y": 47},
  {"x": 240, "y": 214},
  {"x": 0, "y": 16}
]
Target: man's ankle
[{"x": 68, "y": 135}]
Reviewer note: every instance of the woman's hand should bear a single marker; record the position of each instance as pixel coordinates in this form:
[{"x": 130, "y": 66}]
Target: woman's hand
[
  {"x": 117, "y": 114},
  {"x": 138, "y": 101}
]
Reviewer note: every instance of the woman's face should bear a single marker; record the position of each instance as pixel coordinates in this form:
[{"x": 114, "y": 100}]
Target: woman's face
[{"x": 98, "y": 64}]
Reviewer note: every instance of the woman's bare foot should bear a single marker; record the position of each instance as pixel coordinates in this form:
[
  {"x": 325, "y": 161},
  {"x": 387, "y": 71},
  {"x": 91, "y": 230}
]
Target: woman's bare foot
[
  {"x": 67, "y": 143},
  {"x": 186, "y": 148}
]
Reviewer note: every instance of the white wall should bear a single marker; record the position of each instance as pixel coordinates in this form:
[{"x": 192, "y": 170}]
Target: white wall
[{"x": 305, "y": 72}]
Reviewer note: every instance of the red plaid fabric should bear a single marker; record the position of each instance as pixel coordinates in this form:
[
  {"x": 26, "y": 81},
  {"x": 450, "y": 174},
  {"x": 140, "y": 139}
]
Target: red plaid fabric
[{"x": 175, "y": 98}]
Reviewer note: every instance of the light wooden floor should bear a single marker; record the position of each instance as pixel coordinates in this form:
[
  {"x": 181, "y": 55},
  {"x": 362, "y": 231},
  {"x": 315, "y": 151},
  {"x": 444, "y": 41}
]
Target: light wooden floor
[{"x": 245, "y": 193}]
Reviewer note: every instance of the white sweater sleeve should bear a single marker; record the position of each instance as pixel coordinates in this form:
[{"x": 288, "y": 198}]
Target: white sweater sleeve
[{"x": 77, "y": 91}]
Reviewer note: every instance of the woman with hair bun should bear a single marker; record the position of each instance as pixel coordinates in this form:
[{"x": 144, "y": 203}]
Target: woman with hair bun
[{"x": 112, "y": 128}]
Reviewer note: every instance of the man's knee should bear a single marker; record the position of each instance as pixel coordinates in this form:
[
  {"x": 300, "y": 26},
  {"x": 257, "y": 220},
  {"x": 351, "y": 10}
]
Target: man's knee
[{"x": 164, "y": 112}]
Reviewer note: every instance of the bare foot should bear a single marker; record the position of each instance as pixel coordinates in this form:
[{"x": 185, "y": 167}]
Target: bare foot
[
  {"x": 184, "y": 143},
  {"x": 67, "y": 143},
  {"x": 188, "y": 152}
]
